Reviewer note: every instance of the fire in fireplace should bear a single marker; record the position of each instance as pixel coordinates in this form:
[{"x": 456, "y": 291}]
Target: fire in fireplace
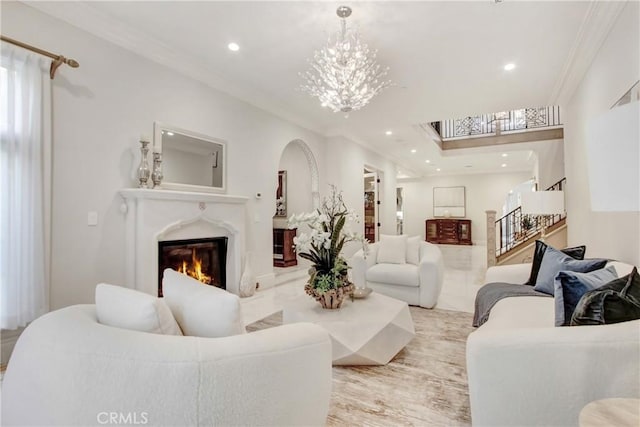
[{"x": 203, "y": 259}]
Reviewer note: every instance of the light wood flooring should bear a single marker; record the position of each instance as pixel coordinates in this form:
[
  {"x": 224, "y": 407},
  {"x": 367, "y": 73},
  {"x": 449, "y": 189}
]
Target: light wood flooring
[{"x": 424, "y": 385}]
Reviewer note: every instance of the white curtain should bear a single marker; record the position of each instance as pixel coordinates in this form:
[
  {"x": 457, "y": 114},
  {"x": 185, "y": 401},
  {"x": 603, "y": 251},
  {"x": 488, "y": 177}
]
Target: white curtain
[{"x": 25, "y": 162}]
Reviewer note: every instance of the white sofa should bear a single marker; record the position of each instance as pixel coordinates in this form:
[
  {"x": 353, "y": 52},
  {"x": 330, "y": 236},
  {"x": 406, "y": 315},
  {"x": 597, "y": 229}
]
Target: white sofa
[
  {"x": 67, "y": 369},
  {"x": 416, "y": 284},
  {"x": 523, "y": 370}
]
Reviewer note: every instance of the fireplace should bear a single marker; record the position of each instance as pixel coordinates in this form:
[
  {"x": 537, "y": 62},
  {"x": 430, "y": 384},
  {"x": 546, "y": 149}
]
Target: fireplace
[{"x": 203, "y": 259}]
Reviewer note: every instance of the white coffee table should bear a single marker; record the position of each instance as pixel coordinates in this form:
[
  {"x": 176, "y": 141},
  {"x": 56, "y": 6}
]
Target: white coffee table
[{"x": 369, "y": 331}]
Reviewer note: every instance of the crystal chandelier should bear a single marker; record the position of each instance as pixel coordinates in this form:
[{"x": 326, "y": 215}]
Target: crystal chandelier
[{"x": 344, "y": 75}]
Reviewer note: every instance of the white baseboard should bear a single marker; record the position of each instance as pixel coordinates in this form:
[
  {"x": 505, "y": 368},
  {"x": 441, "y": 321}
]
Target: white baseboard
[{"x": 266, "y": 281}]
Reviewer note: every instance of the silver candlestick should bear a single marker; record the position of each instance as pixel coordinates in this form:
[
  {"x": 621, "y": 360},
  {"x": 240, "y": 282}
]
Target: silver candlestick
[
  {"x": 143, "y": 169},
  {"x": 156, "y": 176}
]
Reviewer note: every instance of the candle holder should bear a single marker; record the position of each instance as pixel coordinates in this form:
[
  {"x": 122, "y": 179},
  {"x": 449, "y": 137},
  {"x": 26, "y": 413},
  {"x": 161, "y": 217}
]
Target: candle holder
[
  {"x": 156, "y": 176},
  {"x": 143, "y": 169}
]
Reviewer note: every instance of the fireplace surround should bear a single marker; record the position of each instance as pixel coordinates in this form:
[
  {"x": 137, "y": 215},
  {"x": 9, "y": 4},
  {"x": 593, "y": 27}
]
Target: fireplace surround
[{"x": 157, "y": 215}]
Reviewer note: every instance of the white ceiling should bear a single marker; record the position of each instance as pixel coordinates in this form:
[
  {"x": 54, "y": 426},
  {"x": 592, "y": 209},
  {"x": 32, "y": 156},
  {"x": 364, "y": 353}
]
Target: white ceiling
[{"x": 446, "y": 59}]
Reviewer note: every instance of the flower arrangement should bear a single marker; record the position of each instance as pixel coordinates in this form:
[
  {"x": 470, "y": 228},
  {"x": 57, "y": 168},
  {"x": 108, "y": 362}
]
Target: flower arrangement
[{"x": 323, "y": 244}]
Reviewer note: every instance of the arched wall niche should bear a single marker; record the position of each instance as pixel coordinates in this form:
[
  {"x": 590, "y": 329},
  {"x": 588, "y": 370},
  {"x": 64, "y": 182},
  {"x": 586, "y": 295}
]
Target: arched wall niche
[{"x": 302, "y": 193}]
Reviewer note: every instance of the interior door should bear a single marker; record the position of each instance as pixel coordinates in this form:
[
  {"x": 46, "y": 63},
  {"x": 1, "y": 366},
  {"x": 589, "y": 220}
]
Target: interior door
[{"x": 371, "y": 205}]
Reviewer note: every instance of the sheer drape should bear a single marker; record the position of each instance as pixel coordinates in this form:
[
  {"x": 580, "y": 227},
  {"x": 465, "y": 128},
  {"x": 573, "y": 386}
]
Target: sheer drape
[{"x": 25, "y": 132}]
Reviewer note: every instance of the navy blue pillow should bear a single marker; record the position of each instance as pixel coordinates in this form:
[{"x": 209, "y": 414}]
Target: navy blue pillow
[
  {"x": 554, "y": 261},
  {"x": 576, "y": 252},
  {"x": 570, "y": 286}
]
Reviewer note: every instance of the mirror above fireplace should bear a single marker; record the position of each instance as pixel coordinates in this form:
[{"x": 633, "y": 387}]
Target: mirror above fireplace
[{"x": 190, "y": 161}]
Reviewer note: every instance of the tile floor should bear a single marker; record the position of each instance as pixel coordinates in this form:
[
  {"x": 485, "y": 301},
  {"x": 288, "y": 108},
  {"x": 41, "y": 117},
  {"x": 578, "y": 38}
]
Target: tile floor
[{"x": 464, "y": 274}]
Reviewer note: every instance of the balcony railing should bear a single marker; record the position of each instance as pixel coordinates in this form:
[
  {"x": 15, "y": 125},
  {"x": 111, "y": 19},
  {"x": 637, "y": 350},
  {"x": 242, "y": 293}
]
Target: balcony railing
[
  {"x": 497, "y": 123},
  {"x": 516, "y": 228}
]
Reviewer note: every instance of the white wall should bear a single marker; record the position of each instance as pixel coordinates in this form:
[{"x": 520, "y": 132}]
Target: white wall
[
  {"x": 550, "y": 163},
  {"x": 100, "y": 109},
  {"x": 614, "y": 70},
  {"x": 345, "y": 163},
  {"x": 299, "y": 197},
  {"x": 483, "y": 192}
]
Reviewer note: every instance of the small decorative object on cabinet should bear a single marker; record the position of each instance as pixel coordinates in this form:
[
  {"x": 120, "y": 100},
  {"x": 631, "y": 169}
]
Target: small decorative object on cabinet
[
  {"x": 284, "y": 255},
  {"x": 448, "y": 231},
  {"x": 281, "y": 194}
]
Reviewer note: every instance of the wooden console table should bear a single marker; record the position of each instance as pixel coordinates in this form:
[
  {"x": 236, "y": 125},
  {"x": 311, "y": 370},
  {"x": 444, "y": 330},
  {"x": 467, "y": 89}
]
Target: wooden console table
[{"x": 448, "y": 231}]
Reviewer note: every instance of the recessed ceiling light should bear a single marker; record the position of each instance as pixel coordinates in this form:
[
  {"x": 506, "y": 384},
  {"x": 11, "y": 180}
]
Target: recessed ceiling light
[
  {"x": 414, "y": 150},
  {"x": 505, "y": 155},
  {"x": 388, "y": 132},
  {"x": 234, "y": 47},
  {"x": 510, "y": 66},
  {"x": 170, "y": 133},
  {"x": 504, "y": 165},
  {"x": 438, "y": 170},
  {"x": 427, "y": 161}
]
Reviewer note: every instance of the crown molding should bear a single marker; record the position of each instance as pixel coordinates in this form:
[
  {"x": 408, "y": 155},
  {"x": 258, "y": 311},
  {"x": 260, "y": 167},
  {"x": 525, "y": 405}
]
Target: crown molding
[
  {"x": 596, "y": 25},
  {"x": 88, "y": 18}
]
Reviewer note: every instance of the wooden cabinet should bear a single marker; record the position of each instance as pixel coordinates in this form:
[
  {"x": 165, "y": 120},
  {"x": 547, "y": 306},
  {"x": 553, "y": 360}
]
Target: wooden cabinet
[
  {"x": 284, "y": 255},
  {"x": 370, "y": 216},
  {"x": 448, "y": 231}
]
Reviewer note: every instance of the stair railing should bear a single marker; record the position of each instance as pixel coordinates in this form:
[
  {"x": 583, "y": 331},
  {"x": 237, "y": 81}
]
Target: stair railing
[{"x": 516, "y": 228}]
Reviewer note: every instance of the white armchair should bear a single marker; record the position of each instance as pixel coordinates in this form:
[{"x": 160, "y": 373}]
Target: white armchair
[
  {"x": 68, "y": 369},
  {"x": 417, "y": 284},
  {"x": 125, "y": 357}
]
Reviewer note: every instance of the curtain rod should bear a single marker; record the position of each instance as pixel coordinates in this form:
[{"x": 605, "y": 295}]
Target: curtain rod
[{"x": 58, "y": 60}]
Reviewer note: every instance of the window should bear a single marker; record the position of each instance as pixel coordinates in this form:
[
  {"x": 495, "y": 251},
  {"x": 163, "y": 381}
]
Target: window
[{"x": 25, "y": 136}]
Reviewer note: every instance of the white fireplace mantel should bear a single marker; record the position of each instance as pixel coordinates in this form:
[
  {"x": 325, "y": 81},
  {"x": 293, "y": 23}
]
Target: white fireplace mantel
[
  {"x": 160, "y": 215},
  {"x": 143, "y": 193}
]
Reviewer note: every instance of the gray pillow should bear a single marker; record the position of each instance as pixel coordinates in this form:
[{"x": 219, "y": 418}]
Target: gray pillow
[
  {"x": 554, "y": 261},
  {"x": 570, "y": 286}
]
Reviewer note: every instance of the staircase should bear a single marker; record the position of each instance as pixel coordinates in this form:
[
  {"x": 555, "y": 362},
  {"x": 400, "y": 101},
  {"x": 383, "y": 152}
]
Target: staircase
[{"x": 516, "y": 232}]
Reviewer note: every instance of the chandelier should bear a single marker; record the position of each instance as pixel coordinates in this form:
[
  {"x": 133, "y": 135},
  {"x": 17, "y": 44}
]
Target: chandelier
[{"x": 344, "y": 75}]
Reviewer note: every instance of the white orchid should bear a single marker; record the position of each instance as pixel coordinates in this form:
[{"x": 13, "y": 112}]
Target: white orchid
[{"x": 323, "y": 243}]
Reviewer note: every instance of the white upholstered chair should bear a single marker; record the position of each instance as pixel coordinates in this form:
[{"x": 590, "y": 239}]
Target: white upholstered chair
[
  {"x": 403, "y": 268},
  {"x": 69, "y": 369}
]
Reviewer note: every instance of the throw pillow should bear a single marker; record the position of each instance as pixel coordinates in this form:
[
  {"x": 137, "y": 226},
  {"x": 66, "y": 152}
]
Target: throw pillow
[
  {"x": 413, "y": 250},
  {"x": 555, "y": 261},
  {"x": 570, "y": 286},
  {"x": 392, "y": 249},
  {"x": 202, "y": 310},
  {"x": 129, "y": 309},
  {"x": 576, "y": 252},
  {"x": 617, "y": 301}
]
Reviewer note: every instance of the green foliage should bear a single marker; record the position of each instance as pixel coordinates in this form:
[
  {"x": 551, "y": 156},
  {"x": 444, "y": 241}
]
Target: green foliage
[{"x": 329, "y": 268}]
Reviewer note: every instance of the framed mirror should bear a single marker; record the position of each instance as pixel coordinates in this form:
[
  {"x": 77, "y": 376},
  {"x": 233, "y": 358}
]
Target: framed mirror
[
  {"x": 449, "y": 202},
  {"x": 281, "y": 195},
  {"x": 190, "y": 161}
]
